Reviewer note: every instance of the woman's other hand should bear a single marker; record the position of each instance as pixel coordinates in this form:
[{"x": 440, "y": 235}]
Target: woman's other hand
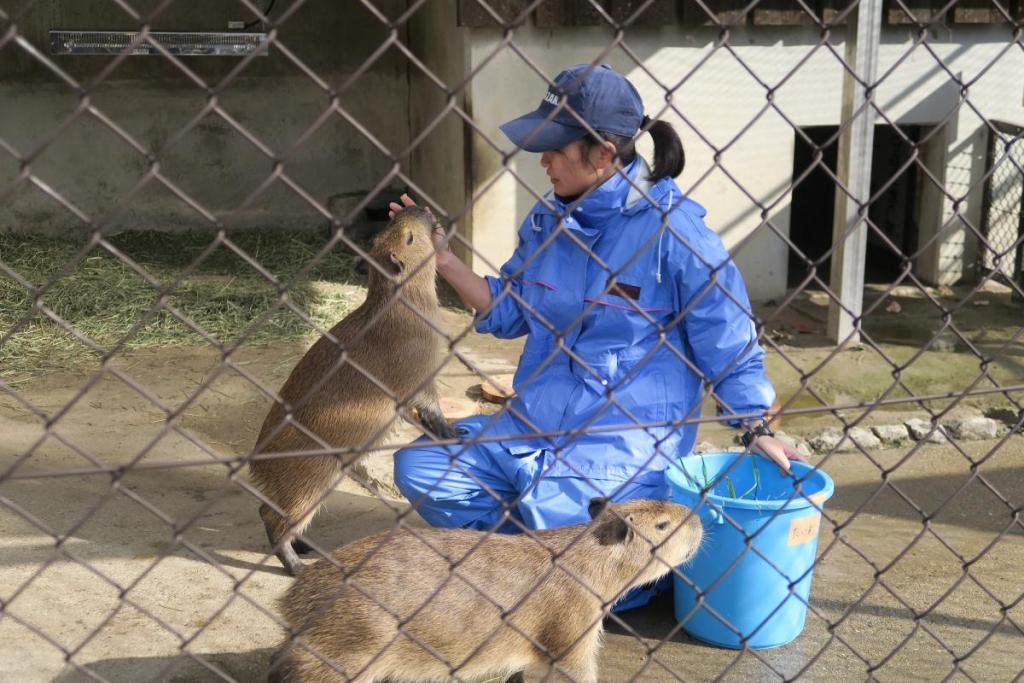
[
  {"x": 777, "y": 451},
  {"x": 443, "y": 254}
]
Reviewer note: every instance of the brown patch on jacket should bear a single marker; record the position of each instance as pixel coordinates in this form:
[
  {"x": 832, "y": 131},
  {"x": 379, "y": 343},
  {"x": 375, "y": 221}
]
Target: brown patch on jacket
[
  {"x": 389, "y": 338},
  {"x": 449, "y": 590}
]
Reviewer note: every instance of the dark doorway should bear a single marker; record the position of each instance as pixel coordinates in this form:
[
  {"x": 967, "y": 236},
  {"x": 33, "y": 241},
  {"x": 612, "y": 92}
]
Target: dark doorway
[
  {"x": 1002, "y": 220},
  {"x": 894, "y": 211}
]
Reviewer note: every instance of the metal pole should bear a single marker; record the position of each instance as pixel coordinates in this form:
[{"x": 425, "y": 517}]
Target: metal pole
[{"x": 849, "y": 231}]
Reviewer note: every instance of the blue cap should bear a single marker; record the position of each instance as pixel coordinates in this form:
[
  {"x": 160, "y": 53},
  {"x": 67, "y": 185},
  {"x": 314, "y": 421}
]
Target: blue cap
[{"x": 600, "y": 96}]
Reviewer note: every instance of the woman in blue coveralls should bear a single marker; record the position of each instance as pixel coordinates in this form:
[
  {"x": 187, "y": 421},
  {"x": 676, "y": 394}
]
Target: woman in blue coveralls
[{"x": 629, "y": 303}]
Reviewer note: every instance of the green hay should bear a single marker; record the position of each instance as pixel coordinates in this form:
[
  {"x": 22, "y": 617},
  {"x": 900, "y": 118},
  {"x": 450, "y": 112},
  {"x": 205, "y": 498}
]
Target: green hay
[
  {"x": 103, "y": 297},
  {"x": 753, "y": 492}
]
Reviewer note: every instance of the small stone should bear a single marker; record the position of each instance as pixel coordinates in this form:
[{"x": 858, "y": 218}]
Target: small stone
[
  {"x": 972, "y": 428},
  {"x": 864, "y": 438},
  {"x": 893, "y": 307},
  {"x": 833, "y": 439},
  {"x": 921, "y": 430},
  {"x": 706, "y": 447},
  {"x": 892, "y": 435},
  {"x": 1007, "y": 419},
  {"x": 828, "y": 441}
]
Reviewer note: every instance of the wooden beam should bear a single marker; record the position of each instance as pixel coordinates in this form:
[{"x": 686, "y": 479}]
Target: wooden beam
[
  {"x": 726, "y": 12},
  {"x": 915, "y": 12},
  {"x": 555, "y": 13},
  {"x": 657, "y": 13},
  {"x": 783, "y": 13},
  {"x": 832, "y": 10},
  {"x": 474, "y": 15},
  {"x": 981, "y": 11}
]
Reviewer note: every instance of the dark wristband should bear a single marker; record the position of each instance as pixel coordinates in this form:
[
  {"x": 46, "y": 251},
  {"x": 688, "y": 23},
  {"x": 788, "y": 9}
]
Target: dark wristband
[{"x": 751, "y": 434}]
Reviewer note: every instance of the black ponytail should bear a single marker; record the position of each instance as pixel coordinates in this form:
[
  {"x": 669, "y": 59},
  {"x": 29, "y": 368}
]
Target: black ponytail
[
  {"x": 669, "y": 158},
  {"x": 668, "y": 148}
]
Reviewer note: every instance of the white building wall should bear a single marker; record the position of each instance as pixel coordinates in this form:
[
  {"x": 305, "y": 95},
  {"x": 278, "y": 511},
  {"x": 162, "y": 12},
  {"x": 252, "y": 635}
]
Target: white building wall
[{"x": 719, "y": 106}]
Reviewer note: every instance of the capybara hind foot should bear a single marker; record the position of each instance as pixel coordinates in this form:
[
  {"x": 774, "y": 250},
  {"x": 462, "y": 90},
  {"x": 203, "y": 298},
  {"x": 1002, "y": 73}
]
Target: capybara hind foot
[
  {"x": 436, "y": 423},
  {"x": 281, "y": 670},
  {"x": 274, "y": 525},
  {"x": 428, "y": 410}
]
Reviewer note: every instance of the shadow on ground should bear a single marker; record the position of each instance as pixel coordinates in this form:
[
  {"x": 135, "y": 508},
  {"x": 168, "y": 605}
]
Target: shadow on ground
[
  {"x": 220, "y": 666},
  {"x": 209, "y": 511},
  {"x": 975, "y": 505}
]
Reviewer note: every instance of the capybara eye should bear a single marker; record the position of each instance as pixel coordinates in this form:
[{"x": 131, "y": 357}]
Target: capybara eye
[
  {"x": 408, "y": 240},
  {"x": 661, "y": 526}
]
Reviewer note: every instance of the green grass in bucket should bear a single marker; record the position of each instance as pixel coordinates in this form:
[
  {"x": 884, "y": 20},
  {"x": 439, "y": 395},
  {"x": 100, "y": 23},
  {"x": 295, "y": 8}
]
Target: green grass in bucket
[
  {"x": 757, "y": 480},
  {"x": 730, "y": 487}
]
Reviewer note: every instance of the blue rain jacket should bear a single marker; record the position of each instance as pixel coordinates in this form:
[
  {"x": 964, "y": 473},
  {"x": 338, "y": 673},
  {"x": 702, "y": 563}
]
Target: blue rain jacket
[{"x": 595, "y": 359}]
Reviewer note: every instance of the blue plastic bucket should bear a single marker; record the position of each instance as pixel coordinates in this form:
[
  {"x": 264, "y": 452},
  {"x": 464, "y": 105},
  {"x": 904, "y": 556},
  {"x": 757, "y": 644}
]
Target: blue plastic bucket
[{"x": 746, "y": 598}]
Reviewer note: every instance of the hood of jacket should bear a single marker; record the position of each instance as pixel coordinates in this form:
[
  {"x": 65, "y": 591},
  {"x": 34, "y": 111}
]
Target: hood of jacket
[{"x": 617, "y": 197}]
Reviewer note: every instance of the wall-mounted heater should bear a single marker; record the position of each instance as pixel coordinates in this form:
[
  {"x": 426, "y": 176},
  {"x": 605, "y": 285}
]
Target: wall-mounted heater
[{"x": 189, "y": 44}]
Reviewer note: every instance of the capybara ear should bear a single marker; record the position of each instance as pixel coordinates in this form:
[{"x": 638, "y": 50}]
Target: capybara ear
[
  {"x": 597, "y": 506},
  {"x": 396, "y": 263},
  {"x": 614, "y": 530}
]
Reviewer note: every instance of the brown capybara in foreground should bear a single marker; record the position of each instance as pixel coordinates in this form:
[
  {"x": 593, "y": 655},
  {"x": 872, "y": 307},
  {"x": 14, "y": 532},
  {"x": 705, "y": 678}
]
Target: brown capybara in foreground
[
  {"x": 332, "y": 400},
  {"x": 473, "y": 605}
]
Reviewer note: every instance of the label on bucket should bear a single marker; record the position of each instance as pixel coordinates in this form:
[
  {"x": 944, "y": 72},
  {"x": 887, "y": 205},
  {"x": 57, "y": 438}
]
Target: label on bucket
[{"x": 803, "y": 529}]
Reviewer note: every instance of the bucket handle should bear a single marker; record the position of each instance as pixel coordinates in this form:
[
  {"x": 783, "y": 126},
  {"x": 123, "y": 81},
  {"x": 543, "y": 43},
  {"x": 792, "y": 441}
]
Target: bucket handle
[{"x": 715, "y": 514}]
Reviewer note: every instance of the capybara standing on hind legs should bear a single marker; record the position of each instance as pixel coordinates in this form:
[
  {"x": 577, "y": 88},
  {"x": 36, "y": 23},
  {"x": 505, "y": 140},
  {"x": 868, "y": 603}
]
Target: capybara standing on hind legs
[{"x": 345, "y": 391}]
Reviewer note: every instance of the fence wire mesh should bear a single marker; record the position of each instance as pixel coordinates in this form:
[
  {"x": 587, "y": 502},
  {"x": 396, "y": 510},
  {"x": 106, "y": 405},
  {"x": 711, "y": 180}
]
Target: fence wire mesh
[
  {"x": 127, "y": 560},
  {"x": 1004, "y": 208}
]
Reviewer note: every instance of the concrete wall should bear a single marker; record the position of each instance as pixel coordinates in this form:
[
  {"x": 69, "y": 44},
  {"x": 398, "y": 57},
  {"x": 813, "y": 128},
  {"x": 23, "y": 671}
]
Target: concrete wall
[
  {"x": 151, "y": 100},
  {"x": 720, "y": 105}
]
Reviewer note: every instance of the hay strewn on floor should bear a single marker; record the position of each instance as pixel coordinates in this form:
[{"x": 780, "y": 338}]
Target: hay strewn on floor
[{"x": 104, "y": 299}]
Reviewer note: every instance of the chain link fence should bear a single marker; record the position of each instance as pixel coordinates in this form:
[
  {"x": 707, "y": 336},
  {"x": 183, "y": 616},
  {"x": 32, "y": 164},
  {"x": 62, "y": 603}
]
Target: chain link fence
[
  {"x": 1003, "y": 205},
  {"x": 140, "y": 556}
]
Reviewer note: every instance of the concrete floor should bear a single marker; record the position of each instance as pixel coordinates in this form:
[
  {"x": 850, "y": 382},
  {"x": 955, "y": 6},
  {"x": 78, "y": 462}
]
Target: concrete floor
[{"x": 164, "y": 576}]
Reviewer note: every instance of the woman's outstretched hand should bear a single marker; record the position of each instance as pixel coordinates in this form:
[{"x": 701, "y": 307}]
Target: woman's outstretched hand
[{"x": 777, "y": 451}]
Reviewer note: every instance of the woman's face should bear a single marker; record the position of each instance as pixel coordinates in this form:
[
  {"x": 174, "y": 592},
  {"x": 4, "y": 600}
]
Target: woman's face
[{"x": 571, "y": 174}]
